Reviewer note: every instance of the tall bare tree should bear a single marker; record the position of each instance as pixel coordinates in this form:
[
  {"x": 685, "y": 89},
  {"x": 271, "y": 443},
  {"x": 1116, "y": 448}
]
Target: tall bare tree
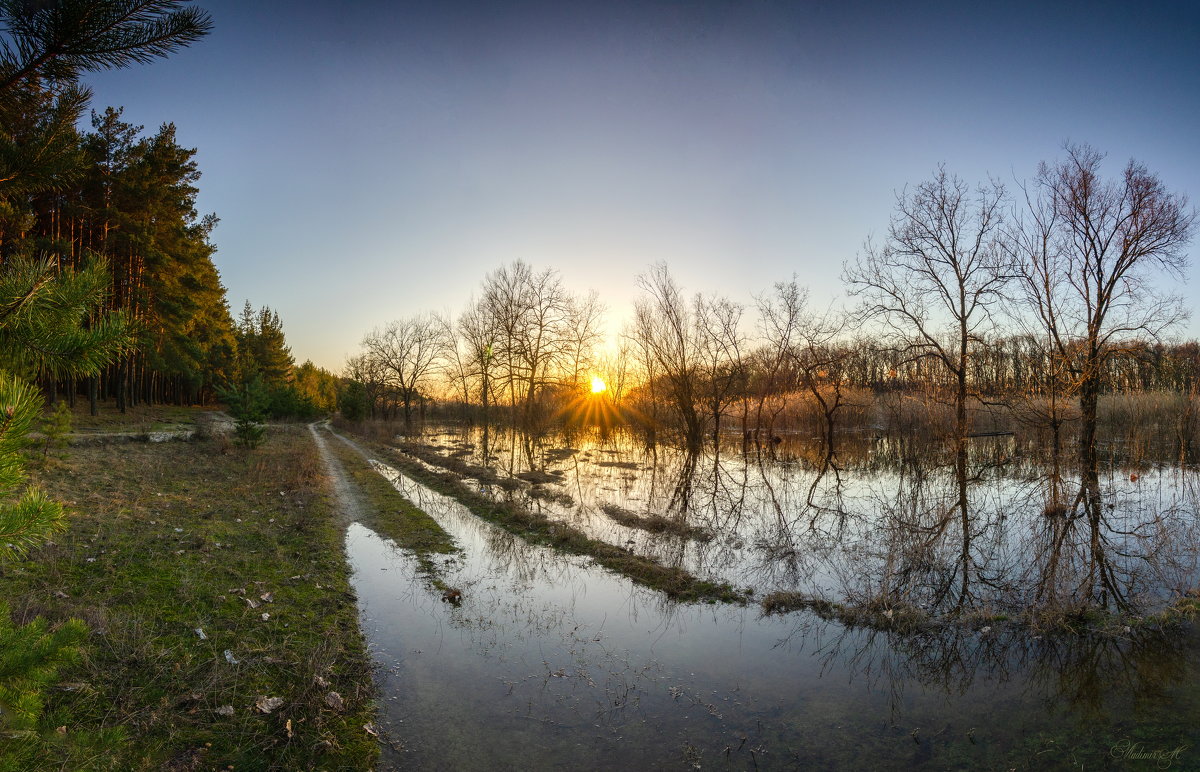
[
  {"x": 934, "y": 284},
  {"x": 780, "y": 316},
  {"x": 664, "y": 333},
  {"x": 531, "y": 312},
  {"x": 407, "y": 350},
  {"x": 365, "y": 370},
  {"x": 478, "y": 333},
  {"x": 719, "y": 346},
  {"x": 582, "y": 331},
  {"x": 1090, "y": 250},
  {"x": 820, "y": 356},
  {"x": 938, "y": 277}
]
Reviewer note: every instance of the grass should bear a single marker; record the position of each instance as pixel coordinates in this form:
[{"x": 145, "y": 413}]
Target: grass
[
  {"x": 389, "y": 514},
  {"x": 655, "y": 523},
  {"x": 877, "y": 615},
  {"x": 136, "y": 418},
  {"x": 170, "y": 539},
  {"x": 537, "y": 528}
]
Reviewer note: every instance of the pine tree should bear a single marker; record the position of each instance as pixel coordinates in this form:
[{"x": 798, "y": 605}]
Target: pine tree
[
  {"x": 29, "y": 662},
  {"x": 55, "y": 428},
  {"x": 248, "y": 404},
  {"x": 262, "y": 349},
  {"x": 50, "y": 321},
  {"x": 61, "y": 40}
]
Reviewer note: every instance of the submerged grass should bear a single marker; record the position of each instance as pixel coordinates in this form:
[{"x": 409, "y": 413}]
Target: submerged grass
[
  {"x": 881, "y": 614},
  {"x": 655, "y": 523},
  {"x": 537, "y": 528},
  {"x": 877, "y": 615},
  {"x": 210, "y": 580}
]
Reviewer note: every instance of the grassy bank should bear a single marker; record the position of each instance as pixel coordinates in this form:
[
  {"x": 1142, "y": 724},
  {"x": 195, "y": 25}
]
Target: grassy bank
[
  {"x": 391, "y": 515},
  {"x": 537, "y": 528},
  {"x": 211, "y": 581}
]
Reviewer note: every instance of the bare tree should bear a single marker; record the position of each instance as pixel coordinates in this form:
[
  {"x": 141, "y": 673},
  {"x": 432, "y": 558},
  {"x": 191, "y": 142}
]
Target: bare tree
[
  {"x": 370, "y": 374},
  {"x": 582, "y": 331},
  {"x": 407, "y": 350},
  {"x": 820, "y": 357},
  {"x": 719, "y": 344},
  {"x": 477, "y": 330},
  {"x": 934, "y": 285},
  {"x": 779, "y": 319},
  {"x": 938, "y": 277},
  {"x": 664, "y": 333},
  {"x": 1090, "y": 249},
  {"x": 457, "y": 362},
  {"x": 533, "y": 316},
  {"x": 616, "y": 370}
]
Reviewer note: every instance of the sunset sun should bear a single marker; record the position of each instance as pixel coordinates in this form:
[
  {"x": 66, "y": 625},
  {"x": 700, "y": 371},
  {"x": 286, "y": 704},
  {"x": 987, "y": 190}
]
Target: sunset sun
[{"x": 598, "y": 384}]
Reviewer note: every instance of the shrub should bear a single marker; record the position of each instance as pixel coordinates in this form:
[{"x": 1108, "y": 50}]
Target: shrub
[{"x": 248, "y": 404}]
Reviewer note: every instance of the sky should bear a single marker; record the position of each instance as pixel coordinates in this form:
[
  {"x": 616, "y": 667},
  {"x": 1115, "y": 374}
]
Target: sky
[{"x": 373, "y": 160}]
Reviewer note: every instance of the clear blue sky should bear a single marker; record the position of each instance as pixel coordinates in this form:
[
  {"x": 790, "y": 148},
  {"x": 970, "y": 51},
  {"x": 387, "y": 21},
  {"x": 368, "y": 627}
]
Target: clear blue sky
[{"x": 374, "y": 159}]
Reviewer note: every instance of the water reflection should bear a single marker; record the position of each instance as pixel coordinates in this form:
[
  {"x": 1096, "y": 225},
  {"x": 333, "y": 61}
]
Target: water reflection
[
  {"x": 551, "y": 662},
  {"x": 984, "y": 525}
]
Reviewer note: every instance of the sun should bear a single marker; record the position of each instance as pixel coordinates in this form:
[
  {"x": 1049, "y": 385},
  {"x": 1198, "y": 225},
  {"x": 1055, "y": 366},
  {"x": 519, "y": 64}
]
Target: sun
[{"x": 598, "y": 384}]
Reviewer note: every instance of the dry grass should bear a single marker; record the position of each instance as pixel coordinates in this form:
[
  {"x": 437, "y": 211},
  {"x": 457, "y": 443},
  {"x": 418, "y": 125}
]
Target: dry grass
[
  {"x": 878, "y": 614},
  {"x": 135, "y": 418}
]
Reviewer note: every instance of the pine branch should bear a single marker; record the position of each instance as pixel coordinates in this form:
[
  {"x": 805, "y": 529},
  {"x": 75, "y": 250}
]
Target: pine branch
[{"x": 62, "y": 39}]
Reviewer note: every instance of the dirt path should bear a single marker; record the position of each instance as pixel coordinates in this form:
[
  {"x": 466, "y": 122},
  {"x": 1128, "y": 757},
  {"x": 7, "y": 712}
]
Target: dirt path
[{"x": 348, "y": 501}]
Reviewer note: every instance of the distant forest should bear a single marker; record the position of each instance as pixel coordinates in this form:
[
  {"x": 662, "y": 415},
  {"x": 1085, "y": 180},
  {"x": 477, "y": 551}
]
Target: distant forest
[{"x": 528, "y": 348}]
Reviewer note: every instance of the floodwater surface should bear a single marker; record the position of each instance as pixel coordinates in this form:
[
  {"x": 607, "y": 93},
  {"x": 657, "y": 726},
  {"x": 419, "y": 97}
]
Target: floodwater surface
[{"x": 551, "y": 662}]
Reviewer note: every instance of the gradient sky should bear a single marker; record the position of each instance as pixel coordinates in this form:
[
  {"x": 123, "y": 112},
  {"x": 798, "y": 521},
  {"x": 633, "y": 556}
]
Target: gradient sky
[{"x": 369, "y": 160}]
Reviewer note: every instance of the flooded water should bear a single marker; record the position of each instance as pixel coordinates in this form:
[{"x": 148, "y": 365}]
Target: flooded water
[
  {"x": 884, "y": 520},
  {"x": 550, "y": 662}
]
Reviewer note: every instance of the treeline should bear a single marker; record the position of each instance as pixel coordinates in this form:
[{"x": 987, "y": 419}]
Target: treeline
[
  {"x": 1019, "y": 364},
  {"x": 528, "y": 348},
  {"x": 124, "y": 200},
  {"x": 527, "y": 361},
  {"x": 973, "y": 298},
  {"x": 523, "y": 343},
  {"x": 264, "y": 364}
]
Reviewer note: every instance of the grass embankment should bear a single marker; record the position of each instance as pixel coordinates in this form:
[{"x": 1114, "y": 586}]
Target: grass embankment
[
  {"x": 878, "y": 615},
  {"x": 389, "y": 514},
  {"x": 655, "y": 523},
  {"x": 171, "y": 539},
  {"x": 537, "y": 528},
  {"x": 901, "y": 617}
]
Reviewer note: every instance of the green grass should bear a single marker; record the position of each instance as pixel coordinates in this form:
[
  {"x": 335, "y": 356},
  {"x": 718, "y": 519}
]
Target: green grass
[
  {"x": 655, "y": 523},
  {"x": 537, "y": 528},
  {"x": 391, "y": 515},
  {"x": 169, "y": 538}
]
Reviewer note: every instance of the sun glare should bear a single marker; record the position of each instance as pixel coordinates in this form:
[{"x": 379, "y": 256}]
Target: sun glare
[{"x": 598, "y": 384}]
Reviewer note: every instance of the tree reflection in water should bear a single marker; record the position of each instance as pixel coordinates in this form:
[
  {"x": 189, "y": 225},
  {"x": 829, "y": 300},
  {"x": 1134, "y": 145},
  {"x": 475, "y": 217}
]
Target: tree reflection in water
[
  {"x": 987, "y": 527},
  {"x": 551, "y": 655}
]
